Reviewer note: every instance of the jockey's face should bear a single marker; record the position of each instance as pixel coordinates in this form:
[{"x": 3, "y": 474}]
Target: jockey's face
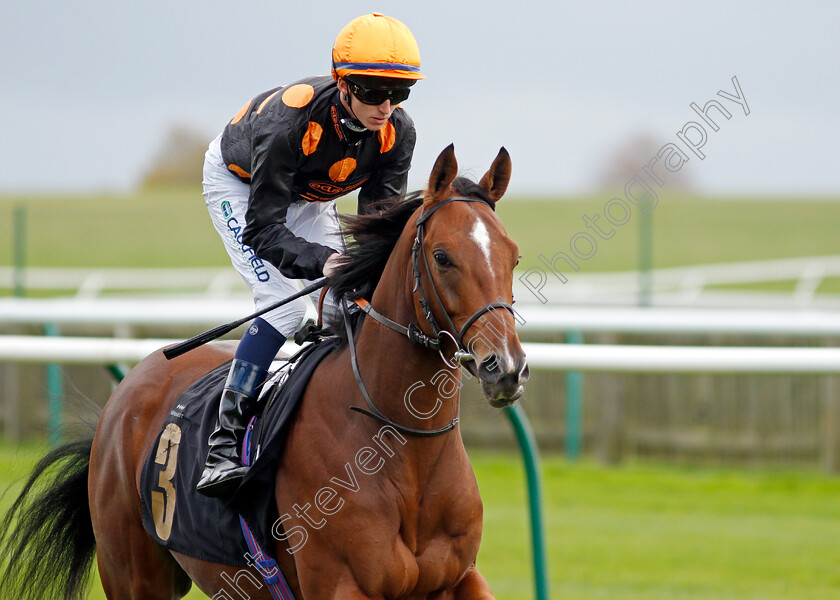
[{"x": 372, "y": 117}]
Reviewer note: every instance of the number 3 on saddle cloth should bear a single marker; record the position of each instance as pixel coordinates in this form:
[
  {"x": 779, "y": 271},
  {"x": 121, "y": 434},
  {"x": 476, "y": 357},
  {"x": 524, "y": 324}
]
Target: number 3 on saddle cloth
[{"x": 181, "y": 519}]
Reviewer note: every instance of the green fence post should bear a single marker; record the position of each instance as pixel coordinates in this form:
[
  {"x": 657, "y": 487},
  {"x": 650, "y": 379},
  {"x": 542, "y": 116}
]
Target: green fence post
[
  {"x": 531, "y": 458},
  {"x": 574, "y": 404},
  {"x": 19, "y": 250},
  {"x": 55, "y": 392},
  {"x": 645, "y": 257},
  {"x": 117, "y": 372}
]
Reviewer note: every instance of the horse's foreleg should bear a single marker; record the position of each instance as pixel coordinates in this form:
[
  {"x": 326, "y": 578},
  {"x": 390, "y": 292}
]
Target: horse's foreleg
[{"x": 473, "y": 587}]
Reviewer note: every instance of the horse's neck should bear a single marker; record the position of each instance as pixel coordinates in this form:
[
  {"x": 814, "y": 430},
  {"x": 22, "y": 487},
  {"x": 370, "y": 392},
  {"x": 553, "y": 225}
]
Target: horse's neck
[{"x": 409, "y": 383}]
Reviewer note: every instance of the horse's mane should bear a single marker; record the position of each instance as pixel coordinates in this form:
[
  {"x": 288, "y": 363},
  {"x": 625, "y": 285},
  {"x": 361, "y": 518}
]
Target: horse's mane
[{"x": 371, "y": 239}]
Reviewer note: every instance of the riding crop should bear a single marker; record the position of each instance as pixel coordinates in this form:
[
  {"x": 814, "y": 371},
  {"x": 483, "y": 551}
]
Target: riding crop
[{"x": 217, "y": 332}]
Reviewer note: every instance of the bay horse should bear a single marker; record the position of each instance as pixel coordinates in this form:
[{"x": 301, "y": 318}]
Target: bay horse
[{"x": 437, "y": 269}]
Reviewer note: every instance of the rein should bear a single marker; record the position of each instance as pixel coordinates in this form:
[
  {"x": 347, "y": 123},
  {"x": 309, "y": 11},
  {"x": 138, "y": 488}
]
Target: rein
[
  {"x": 375, "y": 412},
  {"x": 414, "y": 333}
]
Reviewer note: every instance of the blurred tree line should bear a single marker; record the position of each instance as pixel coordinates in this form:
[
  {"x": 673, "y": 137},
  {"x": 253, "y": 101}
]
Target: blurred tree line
[
  {"x": 179, "y": 161},
  {"x": 181, "y": 158},
  {"x": 628, "y": 159}
]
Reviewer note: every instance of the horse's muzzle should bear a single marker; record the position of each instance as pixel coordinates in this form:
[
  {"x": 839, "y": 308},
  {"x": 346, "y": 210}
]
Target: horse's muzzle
[{"x": 503, "y": 381}]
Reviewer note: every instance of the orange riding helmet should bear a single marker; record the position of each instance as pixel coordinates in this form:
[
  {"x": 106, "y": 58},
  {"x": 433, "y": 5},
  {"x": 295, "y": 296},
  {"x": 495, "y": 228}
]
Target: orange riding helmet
[{"x": 377, "y": 46}]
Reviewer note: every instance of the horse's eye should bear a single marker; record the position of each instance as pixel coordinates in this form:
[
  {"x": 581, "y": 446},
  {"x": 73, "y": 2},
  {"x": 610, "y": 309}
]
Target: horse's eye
[
  {"x": 441, "y": 258},
  {"x": 518, "y": 258}
]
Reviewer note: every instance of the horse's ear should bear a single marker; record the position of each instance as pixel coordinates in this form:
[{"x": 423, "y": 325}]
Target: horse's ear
[
  {"x": 495, "y": 181},
  {"x": 444, "y": 171}
]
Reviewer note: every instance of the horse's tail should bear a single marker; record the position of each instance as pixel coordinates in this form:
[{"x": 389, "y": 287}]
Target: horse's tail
[{"x": 46, "y": 537}]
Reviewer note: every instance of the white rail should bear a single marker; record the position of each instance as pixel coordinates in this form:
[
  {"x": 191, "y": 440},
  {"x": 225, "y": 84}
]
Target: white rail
[
  {"x": 203, "y": 313},
  {"x": 650, "y": 359},
  {"x": 85, "y": 350},
  {"x": 691, "y": 279},
  {"x": 90, "y": 283},
  {"x": 682, "y": 359},
  {"x": 661, "y": 320},
  {"x": 687, "y": 282},
  {"x": 77, "y": 350},
  {"x": 197, "y": 312}
]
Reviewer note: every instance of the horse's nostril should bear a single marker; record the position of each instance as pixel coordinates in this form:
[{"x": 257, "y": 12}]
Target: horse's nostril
[
  {"x": 524, "y": 373},
  {"x": 489, "y": 369}
]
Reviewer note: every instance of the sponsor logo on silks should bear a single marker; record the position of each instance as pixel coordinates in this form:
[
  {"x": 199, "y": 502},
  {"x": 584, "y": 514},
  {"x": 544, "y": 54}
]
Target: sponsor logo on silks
[
  {"x": 326, "y": 188},
  {"x": 330, "y": 191},
  {"x": 257, "y": 265},
  {"x": 253, "y": 329},
  {"x": 227, "y": 211}
]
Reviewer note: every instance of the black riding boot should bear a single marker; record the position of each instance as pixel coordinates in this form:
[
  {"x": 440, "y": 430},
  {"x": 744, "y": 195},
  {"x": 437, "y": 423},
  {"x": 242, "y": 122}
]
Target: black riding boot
[{"x": 223, "y": 468}]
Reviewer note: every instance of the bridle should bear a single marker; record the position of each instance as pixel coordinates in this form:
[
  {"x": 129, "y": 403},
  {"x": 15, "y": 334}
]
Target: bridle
[
  {"x": 462, "y": 354},
  {"x": 413, "y": 332}
]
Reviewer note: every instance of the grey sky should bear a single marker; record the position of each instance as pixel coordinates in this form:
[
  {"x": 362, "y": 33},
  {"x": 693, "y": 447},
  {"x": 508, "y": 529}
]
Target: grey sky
[{"x": 89, "y": 88}]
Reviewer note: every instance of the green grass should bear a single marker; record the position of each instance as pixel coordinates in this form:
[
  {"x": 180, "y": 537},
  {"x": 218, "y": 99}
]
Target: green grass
[
  {"x": 170, "y": 228},
  {"x": 647, "y": 531},
  {"x": 686, "y": 230},
  {"x": 166, "y": 228},
  {"x": 643, "y": 531}
]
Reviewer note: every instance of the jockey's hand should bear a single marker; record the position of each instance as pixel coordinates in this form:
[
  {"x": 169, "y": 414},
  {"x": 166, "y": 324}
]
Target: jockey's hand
[{"x": 333, "y": 262}]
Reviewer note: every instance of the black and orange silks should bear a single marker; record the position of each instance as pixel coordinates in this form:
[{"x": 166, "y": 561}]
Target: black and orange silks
[{"x": 298, "y": 143}]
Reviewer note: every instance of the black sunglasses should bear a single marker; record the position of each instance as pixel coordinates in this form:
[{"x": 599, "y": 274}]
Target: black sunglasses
[{"x": 376, "y": 96}]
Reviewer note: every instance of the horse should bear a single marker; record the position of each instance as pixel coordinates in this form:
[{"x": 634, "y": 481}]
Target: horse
[{"x": 433, "y": 274}]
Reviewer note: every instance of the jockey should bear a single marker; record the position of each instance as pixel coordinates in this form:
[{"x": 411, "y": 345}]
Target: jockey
[{"x": 270, "y": 181}]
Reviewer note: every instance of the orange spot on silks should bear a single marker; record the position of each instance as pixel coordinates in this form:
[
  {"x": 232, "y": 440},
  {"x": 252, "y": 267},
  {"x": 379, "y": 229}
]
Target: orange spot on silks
[
  {"x": 266, "y": 101},
  {"x": 240, "y": 171},
  {"x": 311, "y": 138},
  {"x": 342, "y": 169},
  {"x": 387, "y": 137},
  {"x": 298, "y": 95},
  {"x": 241, "y": 113}
]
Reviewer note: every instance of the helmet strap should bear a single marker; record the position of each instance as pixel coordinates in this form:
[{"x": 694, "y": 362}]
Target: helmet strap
[{"x": 355, "y": 124}]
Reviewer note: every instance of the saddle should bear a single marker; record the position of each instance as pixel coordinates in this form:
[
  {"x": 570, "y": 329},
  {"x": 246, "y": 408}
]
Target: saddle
[{"x": 181, "y": 519}]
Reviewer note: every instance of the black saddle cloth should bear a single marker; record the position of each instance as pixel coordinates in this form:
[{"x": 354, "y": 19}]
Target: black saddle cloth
[{"x": 181, "y": 519}]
